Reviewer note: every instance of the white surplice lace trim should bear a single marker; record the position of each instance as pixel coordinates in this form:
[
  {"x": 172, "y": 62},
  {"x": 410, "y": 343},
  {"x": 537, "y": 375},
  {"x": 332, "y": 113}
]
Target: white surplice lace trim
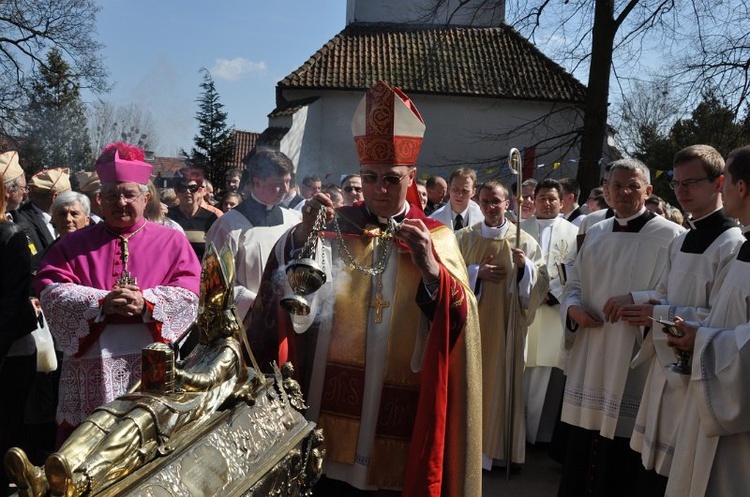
[
  {"x": 87, "y": 383},
  {"x": 174, "y": 307},
  {"x": 68, "y": 308}
]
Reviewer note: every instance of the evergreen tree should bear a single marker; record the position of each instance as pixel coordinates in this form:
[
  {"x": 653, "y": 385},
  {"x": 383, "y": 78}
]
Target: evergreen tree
[
  {"x": 54, "y": 129},
  {"x": 712, "y": 122},
  {"x": 214, "y": 143}
]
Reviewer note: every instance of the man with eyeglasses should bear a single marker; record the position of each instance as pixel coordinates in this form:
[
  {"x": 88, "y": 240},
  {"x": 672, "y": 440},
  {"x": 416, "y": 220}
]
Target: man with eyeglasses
[
  {"x": 112, "y": 288},
  {"x": 310, "y": 186},
  {"x": 460, "y": 211},
  {"x": 14, "y": 181},
  {"x": 34, "y": 216},
  {"x": 252, "y": 228},
  {"x": 625, "y": 253},
  {"x": 714, "y": 434},
  {"x": 16, "y": 191},
  {"x": 696, "y": 258},
  {"x": 493, "y": 261},
  {"x": 388, "y": 355},
  {"x": 351, "y": 186},
  {"x": 191, "y": 213}
]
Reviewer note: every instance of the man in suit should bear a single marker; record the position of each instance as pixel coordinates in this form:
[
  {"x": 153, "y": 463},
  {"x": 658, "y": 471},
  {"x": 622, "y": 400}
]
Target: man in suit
[
  {"x": 436, "y": 190},
  {"x": 34, "y": 217},
  {"x": 460, "y": 211}
]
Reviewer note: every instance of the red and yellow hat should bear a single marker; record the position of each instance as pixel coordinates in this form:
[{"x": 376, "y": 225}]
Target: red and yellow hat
[{"x": 387, "y": 127}]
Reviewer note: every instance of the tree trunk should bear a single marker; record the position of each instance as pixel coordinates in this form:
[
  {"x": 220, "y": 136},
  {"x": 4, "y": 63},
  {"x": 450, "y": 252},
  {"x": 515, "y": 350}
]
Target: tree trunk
[{"x": 595, "y": 108}]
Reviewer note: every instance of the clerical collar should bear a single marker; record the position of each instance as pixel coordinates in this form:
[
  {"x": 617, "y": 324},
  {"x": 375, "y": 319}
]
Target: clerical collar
[
  {"x": 546, "y": 222},
  {"x": 624, "y": 221},
  {"x": 268, "y": 207},
  {"x": 399, "y": 217},
  {"x": 494, "y": 231},
  {"x": 128, "y": 229},
  {"x": 703, "y": 221},
  {"x": 463, "y": 213},
  {"x": 705, "y": 230}
]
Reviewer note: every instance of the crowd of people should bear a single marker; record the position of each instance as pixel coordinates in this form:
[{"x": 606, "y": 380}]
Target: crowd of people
[{"x": 457, "y": 321}]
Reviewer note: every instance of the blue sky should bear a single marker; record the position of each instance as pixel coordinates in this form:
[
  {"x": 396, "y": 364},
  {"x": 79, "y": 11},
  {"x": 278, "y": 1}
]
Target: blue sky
[{"x": 155, "y": 49}]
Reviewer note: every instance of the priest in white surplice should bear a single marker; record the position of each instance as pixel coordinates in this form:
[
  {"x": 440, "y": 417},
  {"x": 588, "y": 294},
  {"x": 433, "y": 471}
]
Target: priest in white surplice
[
  {"x": 545, "y": 343},
  {"x": 695, "y": 260},
  {"x": 624, "y": 253},
  {"x": 252, "y": 228},
  {"x": 713, "y": 441},
  {"x": 488, "y": 248}
]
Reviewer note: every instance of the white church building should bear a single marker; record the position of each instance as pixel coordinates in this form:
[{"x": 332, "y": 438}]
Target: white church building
[{"x": 480, "y": 86}]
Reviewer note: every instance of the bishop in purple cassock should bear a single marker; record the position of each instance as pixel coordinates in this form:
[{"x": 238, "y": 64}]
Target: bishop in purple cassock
[{"x": 112, "y": 288}]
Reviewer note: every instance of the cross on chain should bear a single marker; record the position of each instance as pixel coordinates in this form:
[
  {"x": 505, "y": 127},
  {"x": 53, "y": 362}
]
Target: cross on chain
[{"x": 379, "y": 304}]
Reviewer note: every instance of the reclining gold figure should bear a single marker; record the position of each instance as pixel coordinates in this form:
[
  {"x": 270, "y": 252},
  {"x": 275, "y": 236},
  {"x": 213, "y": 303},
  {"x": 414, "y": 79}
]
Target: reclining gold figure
[{"x": 122, "y": 435}]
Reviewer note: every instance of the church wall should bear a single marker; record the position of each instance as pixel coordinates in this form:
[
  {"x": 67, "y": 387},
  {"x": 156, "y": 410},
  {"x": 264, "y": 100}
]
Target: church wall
[
  {"x": 461, "y": 131},
  {"x": 479, "y": 132},
  {"x": 478, "y": 13},
  {"x": 292, "y": 142},
  {"x": 327, "y": 148}
]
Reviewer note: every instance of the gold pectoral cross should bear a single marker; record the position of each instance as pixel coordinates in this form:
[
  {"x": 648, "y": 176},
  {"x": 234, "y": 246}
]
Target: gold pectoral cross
[
  {"x": 379, "y": 304},
  {"x": 126, "y": 279}
]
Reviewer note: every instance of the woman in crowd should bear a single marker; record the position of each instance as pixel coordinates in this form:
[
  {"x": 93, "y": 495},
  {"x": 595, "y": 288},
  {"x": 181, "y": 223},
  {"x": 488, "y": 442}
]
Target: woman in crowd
[
  {"x": 156, "y": 211},
  {"x": 70, "y": 211}
]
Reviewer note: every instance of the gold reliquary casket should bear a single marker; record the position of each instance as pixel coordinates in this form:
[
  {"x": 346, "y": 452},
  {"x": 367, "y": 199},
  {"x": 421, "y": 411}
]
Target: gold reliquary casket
[{"x": 210, "y": 424}]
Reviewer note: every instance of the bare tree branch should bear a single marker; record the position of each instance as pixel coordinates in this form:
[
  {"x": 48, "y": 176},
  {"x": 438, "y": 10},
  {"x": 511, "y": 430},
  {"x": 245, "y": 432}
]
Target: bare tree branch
[{"x": 28, "y": 30}]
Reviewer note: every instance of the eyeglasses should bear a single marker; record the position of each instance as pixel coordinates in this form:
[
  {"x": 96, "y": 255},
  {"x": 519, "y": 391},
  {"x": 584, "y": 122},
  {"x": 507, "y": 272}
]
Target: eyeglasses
[
  {"x": 114, "y": 197},
  {"x": 687, "y": 183},
  {"x": 358, "y": 189},
  {"x": 185, "y": 188},
  {"x": 388, "y": 179},
  {"x": 16, "y": 188}
]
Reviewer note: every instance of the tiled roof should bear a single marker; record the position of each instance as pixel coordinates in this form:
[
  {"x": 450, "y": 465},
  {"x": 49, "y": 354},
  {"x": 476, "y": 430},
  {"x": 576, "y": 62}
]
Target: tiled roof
[
  {"x": 244, "y": 142},
  {"x": 166, "y": 166},
  {"x": 486, "y": 62}
]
